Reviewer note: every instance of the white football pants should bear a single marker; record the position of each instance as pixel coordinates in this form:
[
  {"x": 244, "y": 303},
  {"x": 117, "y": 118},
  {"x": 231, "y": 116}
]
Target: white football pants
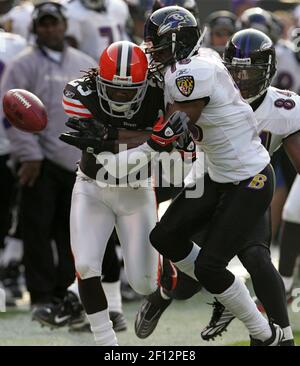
[
  {"x": 95, "y": 211},
  {"x": 291, "y": 210}
]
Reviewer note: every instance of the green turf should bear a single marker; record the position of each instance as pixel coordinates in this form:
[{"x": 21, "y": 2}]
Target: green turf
[{"x": 179, "y": 326}]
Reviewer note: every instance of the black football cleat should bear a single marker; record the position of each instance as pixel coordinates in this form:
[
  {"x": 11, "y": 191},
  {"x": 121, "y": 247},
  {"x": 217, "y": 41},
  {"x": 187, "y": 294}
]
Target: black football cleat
[
  {"x": 221, "y": 318},
  {"x": 149, "y": 314},
  {"x": 61, "y": 314},
  {"x": 118, "y": 320},
  {"x": 275, "y": 339},
  {"x": 287, "y": 343},
  {"x": 82, "y": 325}
]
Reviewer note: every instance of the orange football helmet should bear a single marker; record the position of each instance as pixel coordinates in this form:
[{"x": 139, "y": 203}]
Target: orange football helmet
[{"x": 122, "y": 79}]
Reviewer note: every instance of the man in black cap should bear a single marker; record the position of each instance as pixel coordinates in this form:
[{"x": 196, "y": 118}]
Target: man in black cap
[
  {"x": 47, "y": 165},
  {"x": 221, "y": 25}
]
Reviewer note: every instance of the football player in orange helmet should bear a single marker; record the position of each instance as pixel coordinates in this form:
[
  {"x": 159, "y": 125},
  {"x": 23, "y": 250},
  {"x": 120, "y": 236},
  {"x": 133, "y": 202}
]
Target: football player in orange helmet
[{"x": 111, "y": 106}]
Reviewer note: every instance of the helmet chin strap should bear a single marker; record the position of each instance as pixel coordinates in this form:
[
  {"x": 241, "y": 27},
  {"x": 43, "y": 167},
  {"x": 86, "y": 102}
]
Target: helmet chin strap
[
  {"x": 198, "y": 44},
  {"x": 252, "y": 99},
  {"x": 267, "y": 83},
  {"x": 119, "y": 108}
]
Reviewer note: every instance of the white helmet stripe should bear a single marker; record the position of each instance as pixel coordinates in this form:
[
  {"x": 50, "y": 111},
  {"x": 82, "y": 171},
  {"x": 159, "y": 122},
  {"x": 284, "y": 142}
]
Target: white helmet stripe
[{"x": 124, "y": 59}]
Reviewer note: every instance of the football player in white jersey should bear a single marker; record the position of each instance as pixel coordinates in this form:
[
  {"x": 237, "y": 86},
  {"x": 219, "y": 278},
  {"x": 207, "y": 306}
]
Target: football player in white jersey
[
  {"x": 287, "y": 77},
  {"x": 289, "y": 241},
  {"x": 10, "y": 45},
  {"x": 288, "y": 60},
  {"x": 239, "y": 185},
  {"x": 276, "y": 112},
  {"x": 94, "y": 25}
]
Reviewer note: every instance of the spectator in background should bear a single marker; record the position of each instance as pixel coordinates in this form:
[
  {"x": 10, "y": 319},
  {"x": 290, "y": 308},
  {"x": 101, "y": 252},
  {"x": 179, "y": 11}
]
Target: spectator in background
[
  {"x": 47, "y": 166},
  {"x": 221, "y": 26},
  {"x": 95, "y": 24},
  {"x": 287, "y": 21},
  {"x": 239, "y": 6},
  {"x": 11, "y": 45},
  {"x": 18, "y": 19},
  {"x": 5, "y": 7}
]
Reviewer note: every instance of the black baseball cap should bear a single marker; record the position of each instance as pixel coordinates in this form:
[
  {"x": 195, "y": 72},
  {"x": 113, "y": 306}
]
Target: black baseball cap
[{"x": 52, "y": 9}]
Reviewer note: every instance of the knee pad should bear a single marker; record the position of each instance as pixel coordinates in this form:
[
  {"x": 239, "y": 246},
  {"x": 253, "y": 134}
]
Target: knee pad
[{"x": 84, "y": 270}]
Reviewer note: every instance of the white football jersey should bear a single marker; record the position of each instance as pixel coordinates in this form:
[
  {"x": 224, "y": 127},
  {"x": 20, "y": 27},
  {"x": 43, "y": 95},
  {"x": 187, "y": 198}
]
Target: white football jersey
[
  {"x": 278, "y": 117},
  {"x": 10, "y": 46},
  {"x": 288, "y": 68},
  {"x": 18, "y": 20},
  {"x": 230, "y": 137},
  {"x": 93, "y": 30}
]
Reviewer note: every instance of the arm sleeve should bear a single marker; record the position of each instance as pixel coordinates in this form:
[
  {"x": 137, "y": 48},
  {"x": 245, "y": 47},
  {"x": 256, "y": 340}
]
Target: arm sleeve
[
  {"x": 24, "y": 146},
  {"x": 119, "y": 164},
  {"x": 72, "y": 105}
]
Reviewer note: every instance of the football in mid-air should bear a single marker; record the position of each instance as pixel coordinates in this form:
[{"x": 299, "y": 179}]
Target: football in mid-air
[{"x": 24, "y": 110}]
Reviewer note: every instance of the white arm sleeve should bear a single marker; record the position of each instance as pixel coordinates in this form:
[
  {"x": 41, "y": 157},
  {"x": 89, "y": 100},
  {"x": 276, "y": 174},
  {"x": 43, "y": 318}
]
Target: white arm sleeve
[{"x": 119, "y": 165}]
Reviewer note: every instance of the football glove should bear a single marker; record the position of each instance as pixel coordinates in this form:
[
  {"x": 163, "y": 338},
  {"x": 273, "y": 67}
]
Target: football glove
[
  {"x": 93, "y": 128},
  {"x": 89, "y": 134},
  {"x": 186, "y": 146},
  {"x": 165, "y": 133}
]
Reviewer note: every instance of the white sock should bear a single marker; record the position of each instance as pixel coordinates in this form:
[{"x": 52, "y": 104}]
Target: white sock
[
  {"x": 288, "y": 333},
  {"x": 112, "y": 291},
  {"x": 238, "y": 301},
  {"x": 74, "y": 288},
  {"x": 13, "y": 251},
  {"x": 101, "y": 327},
  {"x": 163, "y": 295},
  {"x": 288, "y": 283},
  {"x": 187, "y": 265}
]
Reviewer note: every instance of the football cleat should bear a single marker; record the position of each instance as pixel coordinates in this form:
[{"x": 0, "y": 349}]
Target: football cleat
[
  {"x": 287, "y": 343},
  {"x": 221, "y": 318},
  {"x": 275, "y": 339},
  {"x": 81, "y": 324},
  {"x": 118, "y": 320},
  {"x": 149, "y": 313},
  {"x": 59, "y": 315}
]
